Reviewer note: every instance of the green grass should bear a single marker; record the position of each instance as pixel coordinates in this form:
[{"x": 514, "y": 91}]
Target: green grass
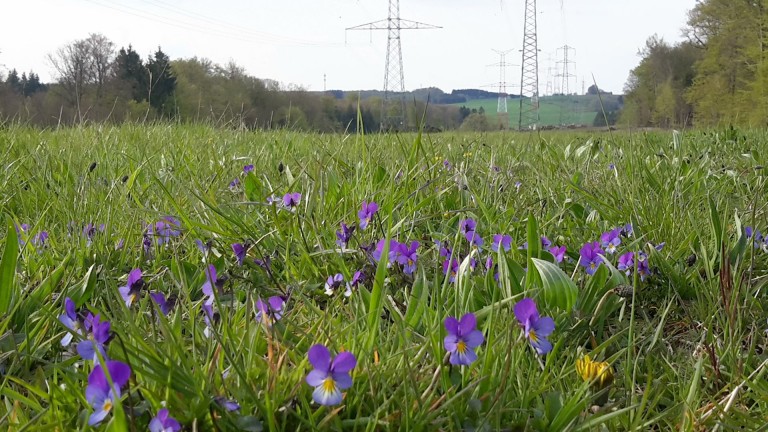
[
  {"x": 553, "y": 110},
  {"x": 692, "y": 335}
]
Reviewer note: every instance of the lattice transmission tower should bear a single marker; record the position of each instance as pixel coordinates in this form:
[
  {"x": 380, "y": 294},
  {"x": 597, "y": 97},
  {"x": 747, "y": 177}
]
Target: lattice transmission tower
[
  {"x": 564, "y": 68},
  {"x": 502, "y": 112},
  {"x": 529, "y": 78},
  {"x": 393, "y": 112}
]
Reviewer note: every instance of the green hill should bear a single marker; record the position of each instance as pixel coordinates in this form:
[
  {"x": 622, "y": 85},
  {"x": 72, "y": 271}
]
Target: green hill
[{"x": 554, "y": 110}]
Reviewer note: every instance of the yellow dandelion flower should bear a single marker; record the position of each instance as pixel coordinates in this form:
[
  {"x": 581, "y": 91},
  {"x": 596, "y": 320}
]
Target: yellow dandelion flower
[{"x": 598, "y": 373}]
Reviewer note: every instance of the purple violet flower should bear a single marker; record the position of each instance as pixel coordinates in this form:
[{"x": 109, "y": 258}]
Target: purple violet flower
[
  {"x": 474, "y": 239},
  {"x": 211, "y": 280},
  {"x": 132, "y": 288},
  {"x": 71, "y": 320},
  {"x": 504, "y": 241},
  {"x": 467, "y": 226},
  {"x": 100, "y": 395},
  {"x": 240, "y": 252},
  {"x": 393, "y": 246},
  {"x": 627, "y": 263},
  {"x": 344, "y": 235},
  {"x": 333, "y": 282},
  {"x": 489, "y": 263},
  {"x": 558, "y": 253},
  {"x": 627, "y": 230},
  {"x": 407, "y": 256},
  {"x": 210, "y": 317},
  {"x": 270, "y": 311},
  {"x": 265, "y": 263},
  {"x": 98, "y": 336},
  {"x": 366, "y": 213},
  {"x": 89, "y": 231},
  {"x": 610, "y": 240},
  {"x": 357, "y": 279},
  {"x": 291, "y": 200},
  {"x": 163, "y": 422},
  {"x": 329, "y": 376},
  {"x": 227, "y": 404},
  {"x": 536, "y": 329},
  {"x": 40, "y": 240},
  {"x": 451, "y": 268},
  {"x": 247, "y": 169},
  {"x": 234, "y": 183},
  {"x": 758, "y": 239},
  {"x": 445, "y": 249},
  {"x": 204, "y": 248},
  {"x": 642, "y": 268},
  {"x": 166, "y": 228},
  {"x": 545, "y": 243},
  {"x": 590, "y": 257},
  {"x": 462, "y": 339},
  {"x": 165, "y": 304}
]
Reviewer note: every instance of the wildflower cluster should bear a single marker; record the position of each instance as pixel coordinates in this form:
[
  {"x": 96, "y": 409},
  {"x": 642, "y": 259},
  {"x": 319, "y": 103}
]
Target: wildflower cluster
[
  {"x": 108, "y": 377},
  {"x": 591, "y": 255}
]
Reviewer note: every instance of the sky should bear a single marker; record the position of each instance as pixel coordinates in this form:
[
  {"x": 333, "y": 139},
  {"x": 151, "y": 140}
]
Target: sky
[{"x": 304, "y": 42}]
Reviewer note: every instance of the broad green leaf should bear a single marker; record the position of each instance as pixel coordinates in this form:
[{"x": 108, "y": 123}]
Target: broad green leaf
[
  {"x": 8, "y": 268},
  {"x": 557, "y": 289},
  {"x": 417, "y": 300},
  {"x": 252, "y": 187}
]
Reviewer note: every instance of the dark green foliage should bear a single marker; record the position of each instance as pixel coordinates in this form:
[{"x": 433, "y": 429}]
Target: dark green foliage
[
  {"x": 162, "y": 83},
  {"x": 130, "y": 69}
]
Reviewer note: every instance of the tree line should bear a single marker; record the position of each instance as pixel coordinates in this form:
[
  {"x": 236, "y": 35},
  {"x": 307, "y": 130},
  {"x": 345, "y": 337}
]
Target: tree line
[
  {"x": 717, "y": 75},
  {"x": 95, "y": 82}
]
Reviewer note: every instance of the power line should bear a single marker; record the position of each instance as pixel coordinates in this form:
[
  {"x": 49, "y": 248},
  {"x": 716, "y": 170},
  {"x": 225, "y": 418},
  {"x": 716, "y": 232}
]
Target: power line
[
  {"x": 244, "y": 36},
  {"x": 229, "y": 25},
  {"x": 393, "y": 106}
]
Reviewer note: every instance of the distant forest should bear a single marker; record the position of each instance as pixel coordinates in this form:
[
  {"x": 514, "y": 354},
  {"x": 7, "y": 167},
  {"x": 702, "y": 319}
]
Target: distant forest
[
  {"x": 96, "y": 82},
  {"x": 717, "y": 76}
]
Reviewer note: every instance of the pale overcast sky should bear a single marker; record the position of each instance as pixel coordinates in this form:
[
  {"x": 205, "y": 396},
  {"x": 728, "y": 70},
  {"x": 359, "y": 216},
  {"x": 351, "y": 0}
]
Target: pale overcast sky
[{"x": 298, "y": 41}]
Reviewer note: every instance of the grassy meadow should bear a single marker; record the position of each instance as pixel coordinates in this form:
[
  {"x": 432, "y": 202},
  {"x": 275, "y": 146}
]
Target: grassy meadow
[
  {"x": 553, "y": 110},
  {"x": 676, "y": 335}
]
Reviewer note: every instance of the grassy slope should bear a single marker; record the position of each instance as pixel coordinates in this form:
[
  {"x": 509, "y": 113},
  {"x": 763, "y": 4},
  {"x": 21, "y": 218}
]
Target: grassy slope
[
  {"x": 664, "y": 376},
  {"x": 554, "y": 110}
]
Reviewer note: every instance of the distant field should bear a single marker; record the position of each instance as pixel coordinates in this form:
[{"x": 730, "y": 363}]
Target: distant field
[{"x": 554, "y": 110}]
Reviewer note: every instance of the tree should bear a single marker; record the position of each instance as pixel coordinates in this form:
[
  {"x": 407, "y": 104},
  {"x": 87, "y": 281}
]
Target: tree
[
  {"x": 100, "y": 51},
  {"x": 162, "y": 83},
  {"x": 656, "y": 88},
  {"x": 130, "y": 70},
  {"x": 82, "y": 64},
  {"x": 733, "y": 38},
  {"x": 32, "y": 84},
  {"x": 13, "y": 81},
  {"x": 476, "y": 122}
]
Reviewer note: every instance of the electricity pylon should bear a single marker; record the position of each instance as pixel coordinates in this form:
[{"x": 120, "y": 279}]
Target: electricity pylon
[
  {"x": 393, "y": 106},
  {"x": 529, "y": 78},
  {"x": 501, "y": 106},
  {"x": 565, "y": 74}
]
